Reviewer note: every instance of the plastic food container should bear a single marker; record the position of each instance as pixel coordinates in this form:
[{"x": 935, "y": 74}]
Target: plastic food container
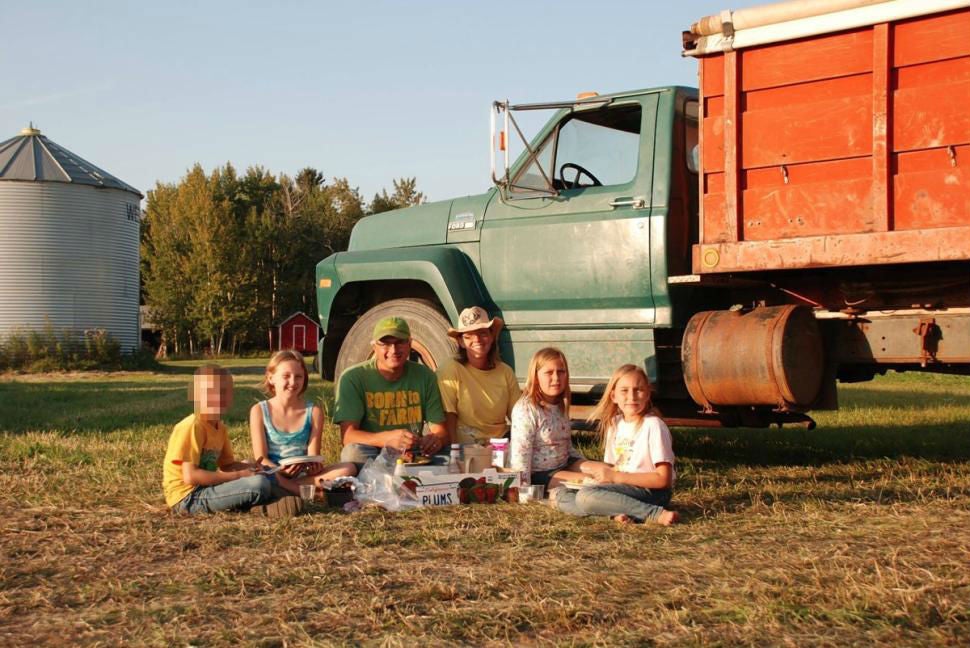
[{"x": 500, "y": 452}]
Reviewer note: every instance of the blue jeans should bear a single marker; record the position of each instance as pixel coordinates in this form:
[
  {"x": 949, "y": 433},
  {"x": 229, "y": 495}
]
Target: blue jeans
[
  {"x": 236, "y": 495},
  {"x": 614, "y": 499}
]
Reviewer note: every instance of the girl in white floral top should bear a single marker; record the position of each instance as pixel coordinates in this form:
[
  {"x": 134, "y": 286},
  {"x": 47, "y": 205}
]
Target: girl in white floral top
[
  {"x": 633, "y": 483},
  {"x": 542, "y": 448}
]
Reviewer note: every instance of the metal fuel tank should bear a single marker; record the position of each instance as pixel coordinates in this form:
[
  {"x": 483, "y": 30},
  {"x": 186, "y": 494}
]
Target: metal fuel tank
[{"x": 766, "y": 356}]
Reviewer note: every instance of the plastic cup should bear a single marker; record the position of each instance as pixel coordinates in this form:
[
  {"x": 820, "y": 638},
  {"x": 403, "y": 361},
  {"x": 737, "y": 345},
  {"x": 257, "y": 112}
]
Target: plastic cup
[
  {"x": 525, "y": 494},
  {"x": 307, "y": 491},
  {"x": 538, "y": 491}
]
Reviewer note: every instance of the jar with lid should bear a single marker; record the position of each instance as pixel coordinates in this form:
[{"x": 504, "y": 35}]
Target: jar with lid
[
  {"x": 454, "y": 460},
  {"x": 500, "y": 452}
]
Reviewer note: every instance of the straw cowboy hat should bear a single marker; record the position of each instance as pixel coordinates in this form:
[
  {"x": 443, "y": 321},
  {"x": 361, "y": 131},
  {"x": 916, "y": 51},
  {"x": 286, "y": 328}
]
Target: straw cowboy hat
[{"x": 475, "y": 319}]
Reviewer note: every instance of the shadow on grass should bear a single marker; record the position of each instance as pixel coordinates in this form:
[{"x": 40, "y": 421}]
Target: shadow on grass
[
  {"x": 900, "y": 397},
  {"x": 857, "y": 482},
  {"x": 727, "y": 503},
  {"x": 255, "y": 369},
  {"x": 176, "y": 370},
  {"x": 797, "y": 446},
  {"x": 91, "y": 407},
  {"x": 727, "y": 448},
  {"x": 108, "y": 406}
]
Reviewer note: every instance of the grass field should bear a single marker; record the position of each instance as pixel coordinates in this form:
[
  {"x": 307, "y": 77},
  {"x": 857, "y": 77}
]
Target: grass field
[{"x": 856, "y": 533}]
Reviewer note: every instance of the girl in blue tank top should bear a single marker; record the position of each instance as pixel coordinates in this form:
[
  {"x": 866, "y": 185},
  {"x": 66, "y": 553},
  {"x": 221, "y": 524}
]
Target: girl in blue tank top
[
  {"x": 285, "y": 425},
  {"x": 283, "y": 445}
]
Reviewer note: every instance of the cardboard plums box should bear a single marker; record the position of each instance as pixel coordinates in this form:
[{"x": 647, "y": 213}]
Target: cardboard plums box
[{"x": 444, "y": 489}]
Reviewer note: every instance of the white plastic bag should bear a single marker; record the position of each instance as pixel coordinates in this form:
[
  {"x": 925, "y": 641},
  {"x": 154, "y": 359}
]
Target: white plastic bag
[{"x": 379, "y": 486}]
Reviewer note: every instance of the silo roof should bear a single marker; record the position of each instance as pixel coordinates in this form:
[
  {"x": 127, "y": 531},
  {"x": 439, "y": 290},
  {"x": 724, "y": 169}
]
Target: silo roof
[{"x": 33, "y": 157}]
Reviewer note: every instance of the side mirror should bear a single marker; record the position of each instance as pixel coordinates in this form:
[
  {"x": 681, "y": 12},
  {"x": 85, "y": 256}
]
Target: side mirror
[{"x": 501, "y": 142}]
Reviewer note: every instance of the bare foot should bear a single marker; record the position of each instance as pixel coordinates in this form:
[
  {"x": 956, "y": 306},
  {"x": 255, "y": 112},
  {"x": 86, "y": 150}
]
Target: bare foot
[
  {"x": 667, "y": 518},
  {"x": 622, "y": 518}
]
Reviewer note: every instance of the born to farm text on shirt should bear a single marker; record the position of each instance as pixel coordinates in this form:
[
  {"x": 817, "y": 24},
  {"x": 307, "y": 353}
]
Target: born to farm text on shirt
[{"x": 398, "y": 407}]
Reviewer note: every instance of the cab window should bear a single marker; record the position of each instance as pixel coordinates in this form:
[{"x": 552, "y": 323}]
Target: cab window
[
  {"x": 534, "y": 176},
  {"x": 588, "y": 149},
  {"x": 690, "y": 133},
  {"x": 598, "y": 147}
]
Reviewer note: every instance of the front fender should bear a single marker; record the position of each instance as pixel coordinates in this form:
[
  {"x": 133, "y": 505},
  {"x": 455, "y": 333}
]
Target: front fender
[{"x": 447, "y": 271}]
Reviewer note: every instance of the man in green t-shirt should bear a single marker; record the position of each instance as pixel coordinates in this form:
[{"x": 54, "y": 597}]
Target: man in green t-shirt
[{"x": 379, "y": 400}]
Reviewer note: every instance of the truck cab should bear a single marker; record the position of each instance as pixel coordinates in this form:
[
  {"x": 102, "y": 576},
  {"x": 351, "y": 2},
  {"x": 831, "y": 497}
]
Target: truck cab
[{"x": 572, "y": 249}]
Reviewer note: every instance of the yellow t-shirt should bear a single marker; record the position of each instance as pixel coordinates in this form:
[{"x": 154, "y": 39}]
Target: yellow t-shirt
[
  {"x": 482, "y": 399},
  {"x": 195, "y": 441}
]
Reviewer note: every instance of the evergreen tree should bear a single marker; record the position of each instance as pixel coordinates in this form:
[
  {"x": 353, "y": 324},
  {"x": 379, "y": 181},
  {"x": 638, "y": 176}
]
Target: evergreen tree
[{"x": 405, "y": 194}]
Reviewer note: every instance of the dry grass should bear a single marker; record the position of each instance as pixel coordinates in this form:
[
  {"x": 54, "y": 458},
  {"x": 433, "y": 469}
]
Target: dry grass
[{"x": 855, "y": 534}]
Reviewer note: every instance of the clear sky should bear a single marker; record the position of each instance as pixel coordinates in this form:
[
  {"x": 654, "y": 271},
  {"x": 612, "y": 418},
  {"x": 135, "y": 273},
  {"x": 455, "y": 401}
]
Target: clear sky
[{"x": 370, "y": 91}]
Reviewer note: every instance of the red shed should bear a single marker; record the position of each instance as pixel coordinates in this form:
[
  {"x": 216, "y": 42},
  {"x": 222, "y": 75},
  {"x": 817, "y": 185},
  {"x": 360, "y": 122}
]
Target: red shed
[{"x": 298, "y": 331}]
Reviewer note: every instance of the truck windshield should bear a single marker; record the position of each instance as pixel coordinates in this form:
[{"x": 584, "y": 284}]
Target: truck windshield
[{"x": 588, "y": 148}]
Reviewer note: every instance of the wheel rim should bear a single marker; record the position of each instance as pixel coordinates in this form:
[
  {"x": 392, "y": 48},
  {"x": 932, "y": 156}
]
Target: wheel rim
[{"x": 423, "y": 354}]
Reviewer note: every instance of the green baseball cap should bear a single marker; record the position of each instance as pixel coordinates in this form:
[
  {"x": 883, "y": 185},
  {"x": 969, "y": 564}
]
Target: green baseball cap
[{"x": 393, "y": 327}]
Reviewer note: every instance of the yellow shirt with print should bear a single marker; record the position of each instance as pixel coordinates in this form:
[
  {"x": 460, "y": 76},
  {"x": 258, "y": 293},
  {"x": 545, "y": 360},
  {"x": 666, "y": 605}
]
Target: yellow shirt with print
[
  {"x": 482, "y": 399},
  {"x": 194, "y": 441}
]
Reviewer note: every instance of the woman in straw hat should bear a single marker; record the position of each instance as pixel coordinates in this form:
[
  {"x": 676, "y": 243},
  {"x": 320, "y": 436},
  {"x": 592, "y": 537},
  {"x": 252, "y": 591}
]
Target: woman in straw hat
[{"x": 478, "y": 390}]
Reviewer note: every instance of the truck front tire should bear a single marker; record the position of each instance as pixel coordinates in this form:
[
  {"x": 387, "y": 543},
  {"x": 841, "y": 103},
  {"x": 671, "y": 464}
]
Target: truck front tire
[{"x": 430, "y": 343}]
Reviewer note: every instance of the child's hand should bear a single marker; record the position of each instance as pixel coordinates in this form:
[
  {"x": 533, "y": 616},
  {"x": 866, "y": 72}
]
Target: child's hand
[
  {"x": 292, "y": 471},
  {"x": 601, "y": 472},
  {"x": 245, "y": 469},
  {"x": 314, "y": 468}
]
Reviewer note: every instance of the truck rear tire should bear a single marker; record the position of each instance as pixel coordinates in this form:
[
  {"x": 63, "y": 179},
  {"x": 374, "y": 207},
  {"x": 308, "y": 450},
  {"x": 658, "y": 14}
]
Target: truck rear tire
[{"x": 430, "y": 344}]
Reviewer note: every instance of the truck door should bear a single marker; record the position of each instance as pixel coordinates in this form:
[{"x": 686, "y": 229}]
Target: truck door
[{"x": 580, "y": 260}]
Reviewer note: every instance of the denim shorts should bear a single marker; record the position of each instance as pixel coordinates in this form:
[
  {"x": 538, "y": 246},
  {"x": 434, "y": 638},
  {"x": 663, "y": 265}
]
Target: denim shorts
[{"x": 542, "y": 477}]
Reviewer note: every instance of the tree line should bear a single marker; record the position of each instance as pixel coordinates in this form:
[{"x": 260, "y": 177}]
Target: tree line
[{"x": 225, "y": 256}]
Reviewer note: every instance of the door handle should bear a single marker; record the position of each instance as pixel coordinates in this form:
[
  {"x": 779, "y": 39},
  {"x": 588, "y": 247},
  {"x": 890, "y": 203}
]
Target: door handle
[{"x": 638, "y": 202}]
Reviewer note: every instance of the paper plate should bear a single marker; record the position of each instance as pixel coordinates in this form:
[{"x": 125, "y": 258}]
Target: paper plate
[
  {"x": 576, "y": 485},
  {"x": 423, "y": 461},
  {"x": 289, "y": 461}
]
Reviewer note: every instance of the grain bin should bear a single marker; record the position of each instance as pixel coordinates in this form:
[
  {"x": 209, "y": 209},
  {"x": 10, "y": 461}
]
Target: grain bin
[{"x": 69, "y": 237}]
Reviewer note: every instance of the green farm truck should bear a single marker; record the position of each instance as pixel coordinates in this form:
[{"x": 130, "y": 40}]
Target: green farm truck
[{"x": 803, "y": 217}]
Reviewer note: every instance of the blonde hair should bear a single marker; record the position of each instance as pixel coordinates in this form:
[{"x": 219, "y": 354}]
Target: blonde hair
[
  {"x": 532, "y": 391},
  {"x": 606, "y": 410},
  {"x": 278, "y": 358}
]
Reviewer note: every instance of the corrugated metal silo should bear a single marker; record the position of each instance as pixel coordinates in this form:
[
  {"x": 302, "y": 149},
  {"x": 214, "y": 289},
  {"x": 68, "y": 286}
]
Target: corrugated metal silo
[{"x": 69, "y": 235}]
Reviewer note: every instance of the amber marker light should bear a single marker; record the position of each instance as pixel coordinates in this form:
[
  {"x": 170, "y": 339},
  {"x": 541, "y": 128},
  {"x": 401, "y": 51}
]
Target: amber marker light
[
  {"x": 501, "y": 140},
  {"x": 325, "y": 283},
  {"x": 587, "y": 95}
]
